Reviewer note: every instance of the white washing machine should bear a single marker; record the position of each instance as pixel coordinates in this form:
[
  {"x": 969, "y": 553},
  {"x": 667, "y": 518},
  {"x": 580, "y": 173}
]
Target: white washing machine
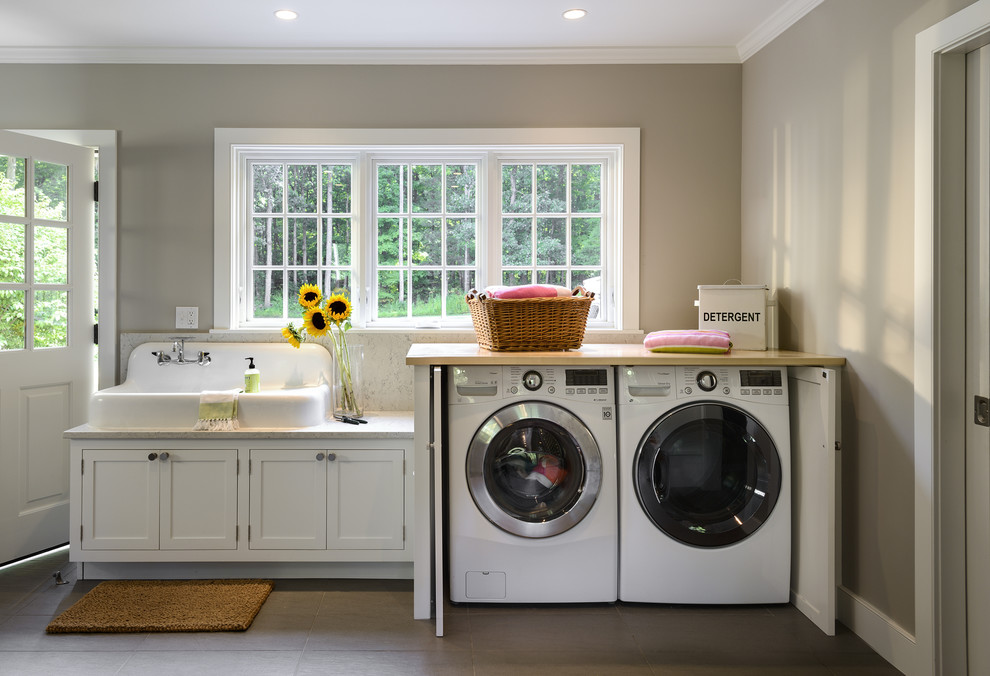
[
  {"x": 705, "y": 488},
  {"x": 532, "y": 495}
]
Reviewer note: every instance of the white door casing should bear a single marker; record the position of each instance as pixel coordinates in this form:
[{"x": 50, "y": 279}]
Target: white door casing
[
  {"x": 978, "y": 359},
  {"x": 45, "y": 390}
]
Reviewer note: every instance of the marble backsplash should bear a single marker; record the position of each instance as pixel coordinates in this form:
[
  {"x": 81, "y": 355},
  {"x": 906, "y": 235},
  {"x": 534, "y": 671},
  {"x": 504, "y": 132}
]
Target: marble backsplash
[{"x": 387, "y": 380}]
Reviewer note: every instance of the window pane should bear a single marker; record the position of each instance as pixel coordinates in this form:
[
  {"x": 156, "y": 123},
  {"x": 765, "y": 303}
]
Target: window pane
[
  {"x": 426, "y": 241},
  {"x": 462, "y": 188},
  {"x": 391, "y": 294},
  {"x": 50, "y": 191},
  {"x": 558, "y": 277},
  {"x": 302, "y": 189},
  {"x": 462, "y": 240},
  {"x": 12, "y": 253},
  {"x": 12, "y": 186},
  {"x": 426, "y": 189},
  {"x": 586, "y": 241},
  {"x": 517, "y": 241},
  {"x": 517, "y": 188},
  {"x": 51, "y": 255},
  {"x": 551, "y": 188},
  {"x": 268, "y": 241},
  {"x": 516, "y": 277},
  {"x": 551, "y": 241},
  {"x": 337, "y": 241},
  {"x": 337, "y": 281},
  {"x": 303, "y": 239},
  {"x": 589, "y": 279},
  {"x": 51, "y": 315},
  {"x": 295, "y": 280},
  {"x": 391, "y": 241},
  {"x": 12, "y": 320},
  {"x": 268, "y": 293},
  {"x": 391, "y": 188},
  {"x": 586, "y": 188},
  {"x": 459, "y": 282},
  {"x": 336, "y": 188},
  {"x": 426, "y": 293},
  {"x": 267, "y": 190}
]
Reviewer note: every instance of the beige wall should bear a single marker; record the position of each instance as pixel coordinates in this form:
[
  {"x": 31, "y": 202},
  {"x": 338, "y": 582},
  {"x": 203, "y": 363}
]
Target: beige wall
[
  {"x": 828, "y": 217},
  {"x": 688, "y": 114}
]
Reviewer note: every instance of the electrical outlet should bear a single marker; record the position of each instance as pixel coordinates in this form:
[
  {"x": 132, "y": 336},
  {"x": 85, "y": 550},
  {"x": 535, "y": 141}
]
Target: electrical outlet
[{"x": 187, "y": 317}]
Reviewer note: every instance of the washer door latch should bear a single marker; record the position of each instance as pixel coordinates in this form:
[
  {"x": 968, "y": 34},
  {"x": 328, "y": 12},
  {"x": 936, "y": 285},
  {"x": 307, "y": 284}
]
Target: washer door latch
[{"x": 981, "y": 411}]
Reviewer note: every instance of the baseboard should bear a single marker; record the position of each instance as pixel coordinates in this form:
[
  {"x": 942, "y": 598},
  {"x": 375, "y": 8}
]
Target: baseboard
[
  {"x": 394, "y": 570},
  {"x": 891, "y": 641}
]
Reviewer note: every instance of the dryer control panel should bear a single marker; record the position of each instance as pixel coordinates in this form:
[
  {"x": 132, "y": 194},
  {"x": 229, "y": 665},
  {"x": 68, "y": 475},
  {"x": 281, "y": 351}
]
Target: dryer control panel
[{"x": 653, "y": 384}]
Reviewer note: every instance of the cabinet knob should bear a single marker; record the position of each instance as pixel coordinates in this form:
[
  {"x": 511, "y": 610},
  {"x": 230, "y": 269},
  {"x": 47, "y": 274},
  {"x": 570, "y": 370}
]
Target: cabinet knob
[
  {"x": 152, "y": 456},
  {"x": 319, "y": 456},
  {"x": 164, "y": 456},
  {"x": 331, "y": 457}
]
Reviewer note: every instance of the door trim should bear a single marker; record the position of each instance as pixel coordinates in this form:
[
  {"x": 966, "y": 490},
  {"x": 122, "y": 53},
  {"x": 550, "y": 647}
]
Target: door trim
[{"x": 939, "y": 334}]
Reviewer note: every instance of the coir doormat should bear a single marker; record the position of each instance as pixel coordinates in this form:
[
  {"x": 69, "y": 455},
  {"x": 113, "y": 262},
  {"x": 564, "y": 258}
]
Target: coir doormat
[{"x": 122, "y": 606}]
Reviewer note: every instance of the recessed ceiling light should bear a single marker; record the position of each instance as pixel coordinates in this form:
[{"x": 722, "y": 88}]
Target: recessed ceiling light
[
  {"x": 287, "y": 15},
  {"x": 575, "y": 14}
]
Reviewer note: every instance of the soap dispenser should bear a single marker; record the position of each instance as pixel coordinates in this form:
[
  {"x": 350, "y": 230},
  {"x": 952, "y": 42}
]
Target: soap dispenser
[{"x": 252, "y": 377}]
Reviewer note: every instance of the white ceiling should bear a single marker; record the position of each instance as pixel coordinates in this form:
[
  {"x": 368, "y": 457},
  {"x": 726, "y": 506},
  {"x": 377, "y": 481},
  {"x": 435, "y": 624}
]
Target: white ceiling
[{"x": 391, "y": 31}]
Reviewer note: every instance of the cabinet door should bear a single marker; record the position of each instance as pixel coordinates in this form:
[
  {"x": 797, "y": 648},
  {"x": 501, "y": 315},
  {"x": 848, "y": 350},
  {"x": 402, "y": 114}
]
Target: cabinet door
[
  {"x": 119, "y": 499},
  {"x": 199, "y": 499},
  {"x": 365, "y": 505},
  {"x": 288, "y": 499}
]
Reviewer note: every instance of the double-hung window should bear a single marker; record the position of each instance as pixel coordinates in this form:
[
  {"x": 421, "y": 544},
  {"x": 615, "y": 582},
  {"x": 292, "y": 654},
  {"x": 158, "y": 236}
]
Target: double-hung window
[{"x": 407, "y": 230}]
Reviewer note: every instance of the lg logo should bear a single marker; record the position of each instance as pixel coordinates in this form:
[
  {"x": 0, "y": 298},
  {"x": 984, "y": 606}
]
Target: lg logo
[{"x": 606, "y": 412}]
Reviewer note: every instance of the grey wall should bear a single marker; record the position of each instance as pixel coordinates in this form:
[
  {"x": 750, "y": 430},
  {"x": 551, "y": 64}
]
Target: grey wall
[
  {"x": 688, "y": 115},
  {"x": 828, "y": 216}
]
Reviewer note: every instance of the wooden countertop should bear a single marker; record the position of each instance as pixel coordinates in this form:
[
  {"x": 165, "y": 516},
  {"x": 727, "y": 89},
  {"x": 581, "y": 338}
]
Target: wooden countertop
[{"x": 448, "y": 354}]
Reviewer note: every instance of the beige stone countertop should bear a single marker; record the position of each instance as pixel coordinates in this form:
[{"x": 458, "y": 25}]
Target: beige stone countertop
[
  {"x": 448, "y": 354},
  {"x": 381, "y": 425}
]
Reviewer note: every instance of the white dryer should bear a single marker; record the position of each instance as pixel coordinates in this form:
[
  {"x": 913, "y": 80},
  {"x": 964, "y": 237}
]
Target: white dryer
[
  {"x": 533, "y": 511},
  {"x": 705, "y": 489}
]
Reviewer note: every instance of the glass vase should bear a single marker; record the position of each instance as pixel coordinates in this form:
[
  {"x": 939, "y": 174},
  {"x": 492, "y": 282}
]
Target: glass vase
[{"x": 348, "y": 360}]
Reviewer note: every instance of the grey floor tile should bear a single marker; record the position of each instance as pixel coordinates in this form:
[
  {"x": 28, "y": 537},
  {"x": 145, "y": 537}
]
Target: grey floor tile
[
  {"x": 539, "y": 662},
  {"x": 755, "y": 662},
  {"x": 577, "y": 631},
  {"x": 376, "y": 663},
  {"x": 40, "y": 663},
  {"x": 27, "y": 633},
  {"x": 214, "y": 663},
  {"x": 360, "y": 631}
]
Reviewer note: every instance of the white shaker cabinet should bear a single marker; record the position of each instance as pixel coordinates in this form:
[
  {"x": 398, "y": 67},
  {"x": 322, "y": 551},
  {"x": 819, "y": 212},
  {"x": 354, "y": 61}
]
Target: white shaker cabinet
[
  {"x": 327, "y": 499},
  {"x": 158, "y": 499}
]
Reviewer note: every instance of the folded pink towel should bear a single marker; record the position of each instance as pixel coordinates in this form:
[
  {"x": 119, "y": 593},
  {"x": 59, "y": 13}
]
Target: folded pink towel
[
  {"x": 688, "y": 340},
  {"x": 527, "y": 291}
]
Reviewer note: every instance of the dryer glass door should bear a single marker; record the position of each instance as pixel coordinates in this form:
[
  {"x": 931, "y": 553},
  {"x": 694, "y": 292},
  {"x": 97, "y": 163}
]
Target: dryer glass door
[
  {"x": 534, "y": 469},
  {"x": 707, "y": 474}
]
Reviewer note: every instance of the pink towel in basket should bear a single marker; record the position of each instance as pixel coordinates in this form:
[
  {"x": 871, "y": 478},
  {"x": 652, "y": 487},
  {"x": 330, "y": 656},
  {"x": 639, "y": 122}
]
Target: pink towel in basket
[
  {"x": 708, "y": 341},
  {"x": 527, "y": 291}
]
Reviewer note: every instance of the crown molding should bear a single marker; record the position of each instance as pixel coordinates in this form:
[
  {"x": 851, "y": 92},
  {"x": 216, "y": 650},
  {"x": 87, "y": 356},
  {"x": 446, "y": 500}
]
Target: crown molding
[
  {"x": 777, "y": 23},
  {"x": 548, "y": 56}
]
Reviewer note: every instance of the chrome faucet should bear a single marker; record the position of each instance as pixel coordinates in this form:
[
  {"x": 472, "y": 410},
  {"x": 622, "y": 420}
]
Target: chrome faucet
[{"x": 179, "y": 347}]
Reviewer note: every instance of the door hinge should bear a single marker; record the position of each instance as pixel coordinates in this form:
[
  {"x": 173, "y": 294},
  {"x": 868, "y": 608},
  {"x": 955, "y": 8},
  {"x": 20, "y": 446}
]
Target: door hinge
[
  {"x": 96, "y": 334},
  {"x": 981, "y": 411},
  {"x": 80, "y": 532},
  {"x": 82, "y": 466},
  {"x": 237, "y": 533},
  {"x": 96, "y": 191}
]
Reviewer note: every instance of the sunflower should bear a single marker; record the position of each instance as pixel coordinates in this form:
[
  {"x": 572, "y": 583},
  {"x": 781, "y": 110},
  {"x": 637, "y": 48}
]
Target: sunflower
[
  {"x": 291, "y": 334},
  {"x": 316, "y": 321},
  {"x": 338, "y": 307},
  {"x": 309, "y": 295}
]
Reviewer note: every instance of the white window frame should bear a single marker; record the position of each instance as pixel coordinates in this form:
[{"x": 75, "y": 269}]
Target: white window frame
[{"x": 233, "y": 146}]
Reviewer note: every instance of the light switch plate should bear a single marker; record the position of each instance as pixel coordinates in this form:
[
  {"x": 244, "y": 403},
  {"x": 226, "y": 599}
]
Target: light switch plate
[{"x": 187, "y": 317}]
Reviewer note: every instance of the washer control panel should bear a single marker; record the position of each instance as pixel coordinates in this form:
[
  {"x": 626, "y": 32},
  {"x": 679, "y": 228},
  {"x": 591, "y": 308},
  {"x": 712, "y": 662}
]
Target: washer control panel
[{"x": 589, "y": 384}]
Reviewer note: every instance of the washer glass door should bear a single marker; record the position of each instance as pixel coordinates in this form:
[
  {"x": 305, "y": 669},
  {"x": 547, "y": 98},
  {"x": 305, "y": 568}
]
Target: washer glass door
[
  {"x": 707, "y": 474},
  {"x": 534, "y": 469}
]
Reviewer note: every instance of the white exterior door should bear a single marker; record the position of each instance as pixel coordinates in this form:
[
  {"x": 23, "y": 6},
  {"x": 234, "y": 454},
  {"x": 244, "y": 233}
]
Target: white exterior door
[
  {"x": 46, "y": 337},
  {"x": 978, "y": 362}
]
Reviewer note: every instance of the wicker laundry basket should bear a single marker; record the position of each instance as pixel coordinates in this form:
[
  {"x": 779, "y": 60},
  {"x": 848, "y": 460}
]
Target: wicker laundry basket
[{"x": 530, "y": 324}]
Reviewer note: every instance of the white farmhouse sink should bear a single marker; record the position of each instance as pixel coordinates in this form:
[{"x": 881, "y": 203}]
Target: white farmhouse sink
[{"x": 295, "y": 387}]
